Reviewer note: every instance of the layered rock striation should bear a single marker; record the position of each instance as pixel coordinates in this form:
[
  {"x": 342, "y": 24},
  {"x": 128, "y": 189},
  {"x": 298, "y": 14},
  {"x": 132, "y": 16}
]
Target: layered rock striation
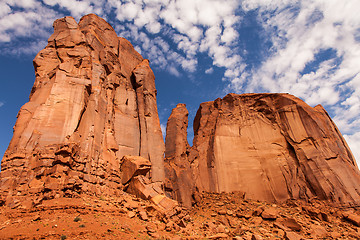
[
  {"x": 270, "y": 147},
  {"x": 93, "y": 101}
]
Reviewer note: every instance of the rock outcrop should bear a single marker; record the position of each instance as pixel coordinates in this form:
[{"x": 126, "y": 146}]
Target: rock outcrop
[
  {"x": 179, "y": 179},
  {"x": 270, "y": 147},
  {"x": 93, "y": 101}
]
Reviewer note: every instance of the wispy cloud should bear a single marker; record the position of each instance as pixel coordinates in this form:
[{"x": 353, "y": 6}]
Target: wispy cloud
[
  {"x": 354, "y": 144},
  {"x": 209, "y": 70},
  {"x": 303, "y": 30},
  {"x": 163, "y": 130},
  {"x": 1, "y": 104}
]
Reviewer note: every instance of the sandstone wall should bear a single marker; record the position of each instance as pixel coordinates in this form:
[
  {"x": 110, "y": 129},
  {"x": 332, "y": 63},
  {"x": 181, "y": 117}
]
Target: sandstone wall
[
  {"x": 93, "y": 101},
  {"x": 271, "y": 147}
]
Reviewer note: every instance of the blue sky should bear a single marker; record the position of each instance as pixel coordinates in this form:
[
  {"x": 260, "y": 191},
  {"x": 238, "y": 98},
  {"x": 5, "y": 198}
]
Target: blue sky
[{"x": 203, "y": 49}]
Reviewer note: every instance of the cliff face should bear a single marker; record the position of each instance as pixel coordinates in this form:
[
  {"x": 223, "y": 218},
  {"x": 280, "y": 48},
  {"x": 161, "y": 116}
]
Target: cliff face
[
  {"x": 271, "y": 147},
  {"x": 93, "y": 101}
]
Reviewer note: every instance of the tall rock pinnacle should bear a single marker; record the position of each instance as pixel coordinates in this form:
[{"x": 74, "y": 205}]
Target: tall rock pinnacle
[
  {"x": 93, "y": 101},
  {"x": 179, "y": 179}
]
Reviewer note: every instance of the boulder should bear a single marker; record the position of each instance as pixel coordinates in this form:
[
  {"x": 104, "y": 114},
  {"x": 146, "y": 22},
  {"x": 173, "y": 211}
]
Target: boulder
[
  {"x": 290, "y": 223},
  {"x": 352, "y": 218},
  {"x": 292, "y": 236},
  {"x": 133, "y": 166},
  {"x": 142, "y": 187},
  {"x": 270, "y": 213}
]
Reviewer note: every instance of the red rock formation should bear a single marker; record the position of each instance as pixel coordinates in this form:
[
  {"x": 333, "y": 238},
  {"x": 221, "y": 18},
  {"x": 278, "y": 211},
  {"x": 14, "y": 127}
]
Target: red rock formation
[
  {"x": 272, "y": 147},
  {"x": 93, "y": 101},
  {"x": 179, "y": 179},
  {"x": 133, "y": 175}
]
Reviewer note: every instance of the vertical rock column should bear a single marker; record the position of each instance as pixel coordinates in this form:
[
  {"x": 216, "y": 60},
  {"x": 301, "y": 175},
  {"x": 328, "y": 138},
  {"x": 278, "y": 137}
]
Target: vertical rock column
[
  {"x": 179, "y": 182},
  {"x": 151, "y": 139},
  {"x": 93, "y": 101}
]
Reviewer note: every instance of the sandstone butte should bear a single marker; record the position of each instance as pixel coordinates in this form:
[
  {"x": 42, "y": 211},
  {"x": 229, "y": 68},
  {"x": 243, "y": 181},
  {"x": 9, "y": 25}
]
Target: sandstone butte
[
  {"x": 269, "y": 147},
  {"x": 94, "y": 101}
]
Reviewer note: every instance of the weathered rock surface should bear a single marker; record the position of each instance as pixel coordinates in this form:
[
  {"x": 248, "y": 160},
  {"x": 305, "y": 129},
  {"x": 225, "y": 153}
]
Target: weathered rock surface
[
  {"x": 133, "y": 166},
  {"x": 93, "y": 101},
  {"x": 128, "y": 217},
  {"x": 179, "y": 179},
  {"x": 134, "y": 170},
  {"x": 271, "y": 147}
]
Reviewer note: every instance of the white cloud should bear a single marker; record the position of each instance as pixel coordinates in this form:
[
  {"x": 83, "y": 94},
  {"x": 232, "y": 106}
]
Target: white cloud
[
  {"x": 173, "y": 70},
  {"x": 31, "y": 20},
  {"x": 163, "y": 129},
  {"x": 1, "y": 104},
  {"x": 354, "y": 144},
  {"x": 209, "y": 70},
  {"x": 300, "y": 31},
  {"x": 129, "y": 11},
  {"x": 4, "y": 9},
  {"x": 229, "y": 35},
  {"x": 76, "y": 8},
  {"x": 23, "y": 3}
]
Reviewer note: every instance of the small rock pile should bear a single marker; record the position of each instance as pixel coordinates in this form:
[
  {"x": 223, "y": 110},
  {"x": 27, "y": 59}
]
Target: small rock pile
[
  {"x": 134, "y": 170},
  {"x": 215, "y": 216},
  {"x": 229, "y": 216}
]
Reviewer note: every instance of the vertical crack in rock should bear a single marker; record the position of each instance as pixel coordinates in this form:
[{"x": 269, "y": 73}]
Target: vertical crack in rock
[
  {"x": 152, "y": 146},
  {"x": 82, "y": 117}
]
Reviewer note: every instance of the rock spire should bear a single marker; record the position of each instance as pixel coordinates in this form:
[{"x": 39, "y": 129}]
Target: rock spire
[{"x": 93, "y": 101}]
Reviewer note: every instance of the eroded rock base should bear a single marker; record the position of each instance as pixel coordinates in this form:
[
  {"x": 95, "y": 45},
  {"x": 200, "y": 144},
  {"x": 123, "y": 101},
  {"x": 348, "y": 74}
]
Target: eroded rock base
[{"x": 216, "y": 216}]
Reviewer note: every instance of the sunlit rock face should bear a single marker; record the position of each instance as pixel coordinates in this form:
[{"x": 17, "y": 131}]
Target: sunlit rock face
[
  {"x": 93, "y": 101},
  {"x": 179, "y": 182},
  {"x": 271, "y": 147}
]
